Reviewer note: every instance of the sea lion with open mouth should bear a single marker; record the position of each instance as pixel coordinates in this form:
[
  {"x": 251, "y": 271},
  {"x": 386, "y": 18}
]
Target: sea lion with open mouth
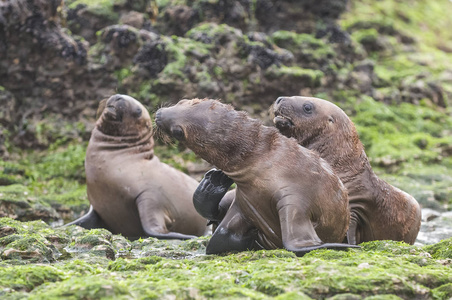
[
  {"x": 379, "y": 211},
  {"x": 286, "y": 195}
]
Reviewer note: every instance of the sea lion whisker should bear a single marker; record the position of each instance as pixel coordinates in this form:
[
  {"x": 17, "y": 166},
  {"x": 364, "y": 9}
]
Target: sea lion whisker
[{"x": 160, "y": 134}]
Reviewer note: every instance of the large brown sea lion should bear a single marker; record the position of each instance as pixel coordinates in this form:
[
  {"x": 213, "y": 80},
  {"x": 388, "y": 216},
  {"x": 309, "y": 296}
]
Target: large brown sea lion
[
  {"x": 379, "y": 211},
  {"x": 286, "y": 195},
  {"x": 130, "y": 191}
]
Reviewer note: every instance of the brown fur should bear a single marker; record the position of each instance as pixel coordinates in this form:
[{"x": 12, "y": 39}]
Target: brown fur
[
  {"x": 128, "y": 187},
  {"x": 379, "y": 211},
  {"x": 286, "y": 193}
]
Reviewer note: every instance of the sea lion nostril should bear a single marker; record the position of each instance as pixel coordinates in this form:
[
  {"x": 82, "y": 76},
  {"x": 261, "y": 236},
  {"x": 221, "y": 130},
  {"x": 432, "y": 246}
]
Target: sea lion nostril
[{"x": 279, "y": 100}]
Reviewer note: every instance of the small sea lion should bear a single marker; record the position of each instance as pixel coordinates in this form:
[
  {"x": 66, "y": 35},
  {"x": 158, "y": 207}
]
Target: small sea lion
[
  {"x": 379, "y": 211},
  {"x": 286, "y": 195},
  {"x": 130, "y": 191}
]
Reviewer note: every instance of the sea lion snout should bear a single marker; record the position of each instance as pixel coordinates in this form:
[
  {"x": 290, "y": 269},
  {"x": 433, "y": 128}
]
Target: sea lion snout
[
  {"x": 165, "y": 121},
  {"x": 281, "y": 119},
  {"x": 119, "y": 104}
]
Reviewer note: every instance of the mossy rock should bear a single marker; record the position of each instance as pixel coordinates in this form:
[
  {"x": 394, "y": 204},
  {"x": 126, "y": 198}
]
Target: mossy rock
[
  {"x": 441, "y": 250},
  {"x": 30, "y": 249},
  {"x": 443, "y": 292},
  {"x": 26, "y": 278},
  {"x": 296, "y": 75},
  {"x": 18, "y": 202},
  {"x": 103, "y": 8},
  {"x": 88, "y": 239}
]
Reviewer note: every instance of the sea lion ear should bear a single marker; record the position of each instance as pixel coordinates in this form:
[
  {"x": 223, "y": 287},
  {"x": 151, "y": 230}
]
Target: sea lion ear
[
  {"x": 101, "y": 107},
  {"x": 331, "y": 120}
]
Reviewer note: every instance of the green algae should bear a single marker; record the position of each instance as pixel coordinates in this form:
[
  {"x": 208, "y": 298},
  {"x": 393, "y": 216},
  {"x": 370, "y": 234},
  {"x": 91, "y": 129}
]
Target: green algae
[
  {"x": 380, "y": 270},
  {"x": 47, "y": 181},
  {"x": 306, "y": 47},
  {"x": 441, "y": 250},
  {"x": 305, "y": 77},
  {"x": 26, "y": 278},
  {"x": 102, "y": 8},
  {"x": 418, "y": 24}
]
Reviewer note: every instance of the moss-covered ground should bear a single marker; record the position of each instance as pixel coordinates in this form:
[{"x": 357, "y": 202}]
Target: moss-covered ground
[{"x": 39, "y": 262}]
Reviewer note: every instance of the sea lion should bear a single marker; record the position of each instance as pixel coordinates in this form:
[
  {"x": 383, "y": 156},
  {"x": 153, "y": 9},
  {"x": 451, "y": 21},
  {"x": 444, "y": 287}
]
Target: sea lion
[
  {"x": 130, "y": 191},
  {"x": 286, "y": 195},
  {"x": 379, "y": 211}
]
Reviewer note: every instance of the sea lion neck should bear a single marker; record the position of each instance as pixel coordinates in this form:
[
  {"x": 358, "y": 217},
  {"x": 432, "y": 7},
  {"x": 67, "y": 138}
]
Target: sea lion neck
[
  {"x": 236, "y": 152},
  {"x": 261, "y": 140},
  {"x": 142, "y": 143}
]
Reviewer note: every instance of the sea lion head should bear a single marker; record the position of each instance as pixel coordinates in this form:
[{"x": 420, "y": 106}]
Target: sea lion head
[
  {"x": 316, "y": 124},
  {"x": 213, "y": 130},
  {"x": 122, "y": 115}
]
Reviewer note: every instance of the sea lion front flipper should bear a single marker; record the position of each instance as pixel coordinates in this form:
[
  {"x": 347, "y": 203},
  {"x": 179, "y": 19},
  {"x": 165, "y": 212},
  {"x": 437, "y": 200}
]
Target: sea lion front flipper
[
  {"x": 211, "y": 198},
  {"x": 233, "y": 234},
  {"x": 154, "y": 220},
  {"x": 89, "y": 221},
  {"x": 298, "y": 234}
]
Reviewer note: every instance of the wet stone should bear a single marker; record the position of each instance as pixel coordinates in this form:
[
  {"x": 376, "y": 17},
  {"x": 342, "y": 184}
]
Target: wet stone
[{"x": 30, "y": 249}]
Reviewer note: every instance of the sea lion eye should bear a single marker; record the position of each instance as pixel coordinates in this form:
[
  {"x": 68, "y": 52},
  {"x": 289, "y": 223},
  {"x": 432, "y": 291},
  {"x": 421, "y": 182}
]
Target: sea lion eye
[
  {"x": 177, "y": 133},
  {"x": 307, "y": 108}
]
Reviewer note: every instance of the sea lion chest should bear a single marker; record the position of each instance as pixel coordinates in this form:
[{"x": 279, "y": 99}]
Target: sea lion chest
[
  {"x": 114, "y": 180},
  {"x": 259, "y": 207}
]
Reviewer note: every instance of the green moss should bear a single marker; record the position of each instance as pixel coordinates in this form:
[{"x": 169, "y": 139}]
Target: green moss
[
  {"x": 441, "y": 250},
  {"x": 89, "y": 287},
  {"x": 306, "y": 77},
  {"x": 381, "y": 269},
  {"x": 216, "y": 33},
  {"x": 307, "y": 49},
  {"x": 33, "y": 248},
  {"x": 404, "y": 132},
  {"x": 443, "y": 292},
  {"x": 26, "y": 278},
  {"x": 420, "y": 21},
  {"x": 366, "y": 35},
  {"x": 133, "y": 265},
  {"x": 297, "y": 42},
  {"x": 180, "y": 50},
  {"x": 101, "y": 8},
  {"x": 55, "y": 177}
]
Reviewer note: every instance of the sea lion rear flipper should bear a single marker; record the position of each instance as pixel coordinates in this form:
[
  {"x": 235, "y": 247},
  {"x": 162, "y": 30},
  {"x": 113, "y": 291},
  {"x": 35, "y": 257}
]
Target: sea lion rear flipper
[
  {"x": 298, "y": 234},
  {"x": 211, "y": 198},
  {"x": 89, "y": 221},
  {"x": 153, "y": 220},
  {"x": 233, "y": 234}
]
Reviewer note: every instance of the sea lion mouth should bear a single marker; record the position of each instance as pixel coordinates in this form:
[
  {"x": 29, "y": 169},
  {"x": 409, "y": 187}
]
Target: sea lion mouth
[
  {"x": 112, "y": 113},
  {"x": 281, "y": 121}
]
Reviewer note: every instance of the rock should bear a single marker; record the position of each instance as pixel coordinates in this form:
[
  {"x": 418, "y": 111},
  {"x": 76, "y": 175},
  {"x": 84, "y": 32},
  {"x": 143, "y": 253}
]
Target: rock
[
  {"x": 429, "y": 214},
  {"x": 17, "y": 204},
  {"x": 134, "y": 19},
  {"x": 152, "y": 58},
  {"x": 86, "y": 19},
  {"x": 30, "y": 249}
]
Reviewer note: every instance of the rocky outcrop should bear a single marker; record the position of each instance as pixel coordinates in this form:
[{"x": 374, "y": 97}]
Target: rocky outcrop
[{"x": 63, "y": 74}]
